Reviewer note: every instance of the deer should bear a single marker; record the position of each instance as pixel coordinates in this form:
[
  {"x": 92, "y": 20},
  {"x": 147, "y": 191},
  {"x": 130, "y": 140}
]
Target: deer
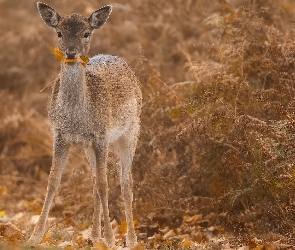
[{"x": 95, "y": 105}]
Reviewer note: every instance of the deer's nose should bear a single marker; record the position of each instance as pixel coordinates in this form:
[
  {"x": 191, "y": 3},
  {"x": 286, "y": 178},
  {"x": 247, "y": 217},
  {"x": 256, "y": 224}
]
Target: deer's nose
[{"x": 71, "y": 54}]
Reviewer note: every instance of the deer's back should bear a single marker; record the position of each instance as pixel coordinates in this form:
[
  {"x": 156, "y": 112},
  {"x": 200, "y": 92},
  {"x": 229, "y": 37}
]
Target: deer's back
[{"x": 109, "y": 79}]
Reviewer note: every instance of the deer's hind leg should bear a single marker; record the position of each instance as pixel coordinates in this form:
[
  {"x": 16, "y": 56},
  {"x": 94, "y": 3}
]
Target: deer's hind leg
[
  {"x": 125, "y": 148},
  {"x": 99, "y": 162},
  {"x": 60, "y": 152}
]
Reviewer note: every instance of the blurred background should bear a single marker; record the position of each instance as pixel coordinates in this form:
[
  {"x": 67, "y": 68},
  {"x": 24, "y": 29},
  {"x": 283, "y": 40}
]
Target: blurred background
[{"x": 217, "y": 124}]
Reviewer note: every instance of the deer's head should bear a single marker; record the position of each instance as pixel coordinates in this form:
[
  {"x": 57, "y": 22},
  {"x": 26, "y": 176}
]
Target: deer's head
[{"x": 74, "y": 31}]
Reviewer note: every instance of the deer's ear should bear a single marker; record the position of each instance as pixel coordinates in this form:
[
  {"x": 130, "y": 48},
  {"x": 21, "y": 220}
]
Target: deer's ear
[
  {"x": 48, "y": 14},
  {"x": 100, "y": 16}
]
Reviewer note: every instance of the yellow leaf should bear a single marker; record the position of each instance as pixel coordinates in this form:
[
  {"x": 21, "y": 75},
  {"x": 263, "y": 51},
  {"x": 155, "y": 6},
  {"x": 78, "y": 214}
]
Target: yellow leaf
[
  {"x": 35, "y": 205},
  {"x": 82, "y": 227},
  {"x": 46, "y": 237},
  {"x": 3, "y": 191},
  {"x": 135, "y": 223},
  {"x": 123, "y": 227},
  {"x": 260, "y": 247},
  {"x": 168, "y": 242},
  {"x": 100, "y": 246},
  {"x": 69, "y": 248},
  {"x": 85, "y": 60},
  {"x": 60, "y": 56},
  {"x": 79, "y": 240},
  {"x": 2, "y": 213}
]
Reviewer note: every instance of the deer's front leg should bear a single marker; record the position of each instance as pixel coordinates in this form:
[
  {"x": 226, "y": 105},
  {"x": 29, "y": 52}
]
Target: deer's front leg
[
  {"x": 60, "y": 152},
  {"x": 96, "y": 221},
  {"x": 100, "y": 174}
]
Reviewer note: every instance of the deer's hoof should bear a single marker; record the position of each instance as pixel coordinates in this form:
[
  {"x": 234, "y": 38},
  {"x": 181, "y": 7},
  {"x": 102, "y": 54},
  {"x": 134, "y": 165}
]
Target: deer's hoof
[
  {"x": 131, "y": 240},
  {"x": 35, "y": 239}
]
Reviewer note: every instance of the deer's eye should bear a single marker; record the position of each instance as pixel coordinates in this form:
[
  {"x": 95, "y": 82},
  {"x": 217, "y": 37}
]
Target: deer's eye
[
  {"x": 87, "y": 34},
  {"x": 59, "y": 34}
]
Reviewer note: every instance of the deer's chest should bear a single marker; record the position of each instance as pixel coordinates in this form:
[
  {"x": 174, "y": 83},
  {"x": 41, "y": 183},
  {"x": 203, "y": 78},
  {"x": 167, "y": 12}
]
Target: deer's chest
[{"x": 69, "y": 112}]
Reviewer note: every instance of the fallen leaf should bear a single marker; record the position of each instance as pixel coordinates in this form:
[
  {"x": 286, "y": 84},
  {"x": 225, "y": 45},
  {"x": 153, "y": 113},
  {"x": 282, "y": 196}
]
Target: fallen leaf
[
  {"x": 10, "y": 231},
  {"x": 123, "y": 227},
  {"x": 82, "y": 227},
  {"x": 270, "y": 246},
  {"x": 135, "y": 223},
  {"x": 70, "y": 248},
  {"x": 260, "y": 247},
  {"x": 192, "y": 219},
  {"x": 46, "y": 237},
  {"x": 79, "y": 240},
  {"x": 186, "y": 242},
  {"x": 2, "y": 213},
  {"x": 169, "y": 234},
  {"x": 244, "y": 248},
  {"x": 100, "y": 246},
  {"x": 35, "y": 205},
  {"x": 138, "y": 246},
  {"x": 66, "y": 245},
  {"x": 3, "y": 191},
  {"x": 198, "y": 237}
]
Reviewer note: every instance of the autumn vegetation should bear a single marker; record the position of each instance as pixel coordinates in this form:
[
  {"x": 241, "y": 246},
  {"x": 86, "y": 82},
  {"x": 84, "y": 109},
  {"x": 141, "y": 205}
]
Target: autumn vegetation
[{"x": 215, "y": 162}]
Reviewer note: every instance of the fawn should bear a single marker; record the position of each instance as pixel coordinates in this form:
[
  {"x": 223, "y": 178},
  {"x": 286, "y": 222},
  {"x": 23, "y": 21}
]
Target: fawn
[{"x": 94, "y": 105}]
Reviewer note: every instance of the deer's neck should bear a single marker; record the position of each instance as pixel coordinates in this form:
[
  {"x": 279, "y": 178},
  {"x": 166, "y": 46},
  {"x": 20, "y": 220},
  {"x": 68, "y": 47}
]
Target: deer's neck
[
  {"x": 72, "y": 84},
  {"x": 70, "y": 109}
]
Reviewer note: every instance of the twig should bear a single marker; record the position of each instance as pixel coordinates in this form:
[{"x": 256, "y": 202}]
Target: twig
[
  {"x": 22, "y": 158},
  {"x": 73, "y": 214},
  {"x": 47, "y": 85},
  {"x": 19, "y": 178},
  {"x": 173, "y": 93}
]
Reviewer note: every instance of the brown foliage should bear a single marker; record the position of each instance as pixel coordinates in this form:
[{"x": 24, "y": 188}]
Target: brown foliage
[{"x": 242, "y": 123}]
